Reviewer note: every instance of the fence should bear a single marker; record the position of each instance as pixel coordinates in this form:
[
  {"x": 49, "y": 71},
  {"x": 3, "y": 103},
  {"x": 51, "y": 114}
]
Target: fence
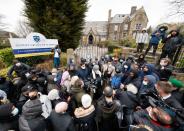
[
  {"x": 90, "y": 52},
  {"x": 179, "y": 58}
]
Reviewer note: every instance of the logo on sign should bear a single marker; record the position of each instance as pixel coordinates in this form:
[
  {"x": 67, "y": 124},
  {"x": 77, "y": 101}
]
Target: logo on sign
[{"x": 36, "y": 38}]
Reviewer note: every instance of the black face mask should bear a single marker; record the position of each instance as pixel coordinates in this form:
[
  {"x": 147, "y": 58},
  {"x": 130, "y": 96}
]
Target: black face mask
[{"x": 33, "y": 98}]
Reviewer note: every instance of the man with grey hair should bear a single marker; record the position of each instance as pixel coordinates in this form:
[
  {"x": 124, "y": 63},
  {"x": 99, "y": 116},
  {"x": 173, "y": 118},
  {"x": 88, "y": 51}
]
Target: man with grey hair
[{"x": 60, "y": 120}]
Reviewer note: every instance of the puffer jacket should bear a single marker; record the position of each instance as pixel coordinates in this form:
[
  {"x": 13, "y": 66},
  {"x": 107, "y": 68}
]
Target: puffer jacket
[{"x": 31, "y": 119}]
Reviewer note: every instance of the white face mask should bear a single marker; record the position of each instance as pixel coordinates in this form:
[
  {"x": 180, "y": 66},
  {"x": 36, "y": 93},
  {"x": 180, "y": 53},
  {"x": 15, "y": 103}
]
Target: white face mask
[
  {"x": 54, "y": 74},
  {"x": 121, "y": 61},
  {"x": 125, "y": 66},
  {"x": 83, "y": 67},
  {"x": 55, "y": 79},
  {"x": 18, "y": 64},
  {"x": 145, "y": 83},
  {"x": 15, "y": 112}
]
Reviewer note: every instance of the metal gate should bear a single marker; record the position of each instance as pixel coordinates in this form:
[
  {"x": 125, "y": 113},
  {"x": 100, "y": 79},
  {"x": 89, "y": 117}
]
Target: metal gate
[{"x": 90, "y": 52}]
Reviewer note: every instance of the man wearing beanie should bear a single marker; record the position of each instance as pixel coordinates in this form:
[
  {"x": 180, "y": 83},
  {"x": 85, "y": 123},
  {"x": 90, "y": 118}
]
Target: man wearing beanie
[
  {"x": 177, "y": 91},
  {"x": 85, "y": 115},
  {"x": 60, "y": 119}
]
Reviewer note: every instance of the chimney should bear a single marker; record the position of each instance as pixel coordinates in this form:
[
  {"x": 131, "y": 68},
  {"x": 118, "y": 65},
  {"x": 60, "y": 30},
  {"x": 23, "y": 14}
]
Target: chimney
[
  {"x": 109, "y": 15},
  {"x": 133, "y": 10}
]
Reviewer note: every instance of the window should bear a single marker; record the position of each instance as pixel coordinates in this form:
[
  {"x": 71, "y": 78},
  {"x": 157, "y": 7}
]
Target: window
[
  {"x": 126, "y": 27},
  {"x": 116, "y": 28},
  {"x": 138, "y": 26}
]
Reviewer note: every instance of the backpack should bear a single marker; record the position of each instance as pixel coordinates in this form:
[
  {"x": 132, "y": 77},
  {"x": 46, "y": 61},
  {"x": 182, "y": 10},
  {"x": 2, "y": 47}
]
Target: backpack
[{"x": 116, "y": 82}]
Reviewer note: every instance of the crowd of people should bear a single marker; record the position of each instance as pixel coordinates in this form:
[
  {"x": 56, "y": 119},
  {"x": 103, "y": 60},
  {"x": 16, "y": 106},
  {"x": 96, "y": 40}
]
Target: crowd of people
[{"x": 110, "y": 94}]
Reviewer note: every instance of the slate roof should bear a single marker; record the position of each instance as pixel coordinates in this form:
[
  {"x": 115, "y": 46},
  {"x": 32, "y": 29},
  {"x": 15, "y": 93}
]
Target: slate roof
[
  {"x": 98, "y": 27},
  {"x": 119, "y": 18}
]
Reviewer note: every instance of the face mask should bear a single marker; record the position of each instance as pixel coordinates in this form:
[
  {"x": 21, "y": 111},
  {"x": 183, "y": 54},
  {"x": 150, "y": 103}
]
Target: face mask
[
  {"x": 55, "y": 79},
  {"x": 83, "y": 67},
  {"x": 33, "y": 98},
  {"x": 121, "y": 61},
  {"x": 125, "y": 66},
  {"x": 162, "y": 29},
  {"x": 145, "y": 83},
  {"x": 54, "y": 74},
  {"x": 15, "y": 112},
  {"x": 18, "y": 64}
]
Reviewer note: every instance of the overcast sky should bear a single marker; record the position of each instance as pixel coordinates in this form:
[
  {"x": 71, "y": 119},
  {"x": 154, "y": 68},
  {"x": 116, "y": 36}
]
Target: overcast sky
[{"x": 157, "y": 10}]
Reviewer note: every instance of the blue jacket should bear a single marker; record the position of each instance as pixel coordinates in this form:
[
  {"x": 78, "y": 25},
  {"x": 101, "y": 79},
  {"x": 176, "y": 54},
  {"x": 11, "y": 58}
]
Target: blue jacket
[
  {"x": 151, "y": 71},
  {"x": 150, "y": 86},
  {"x": 155, "y": 39}
]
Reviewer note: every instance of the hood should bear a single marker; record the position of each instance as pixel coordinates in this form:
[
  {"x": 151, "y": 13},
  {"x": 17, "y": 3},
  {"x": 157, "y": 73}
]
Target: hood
[
  {"x": 165, "y": 28},
  {"x": 129, "y": 66},
  {"x": 32, "y": 109},
  {"x": 177, "y": 32},
  {"x": 152, "y": 80}
]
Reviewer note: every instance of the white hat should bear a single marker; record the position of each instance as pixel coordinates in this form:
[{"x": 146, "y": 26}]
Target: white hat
[
  {"x": 144, "y": 29},
  {"x": 53, "y": 94},
  {"x": 61, "y": 107},
  {"x": 54, "y": 70},
  {"x": 132, "y": 88},
  {"x": 74, "y": 79},
  {"x": 86, "y": 100}
]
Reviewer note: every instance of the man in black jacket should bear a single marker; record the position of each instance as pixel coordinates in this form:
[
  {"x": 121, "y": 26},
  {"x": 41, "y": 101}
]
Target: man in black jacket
[
  {"x": 106, "y": 111},
  {"x": 171, "y": 44},
  {"x": 60, "y": 119}
]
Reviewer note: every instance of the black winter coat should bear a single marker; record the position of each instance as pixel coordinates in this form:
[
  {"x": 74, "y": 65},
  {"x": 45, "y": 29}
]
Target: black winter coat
[
  {"x": 7, "y": 120},
  {"x": 171, "y": 43},
  {"x": 106, "y": 115},
  {"x": 86, "y": 123},
  {"x": 128, "y": 99},
  {"x": 61, "y": 122}
]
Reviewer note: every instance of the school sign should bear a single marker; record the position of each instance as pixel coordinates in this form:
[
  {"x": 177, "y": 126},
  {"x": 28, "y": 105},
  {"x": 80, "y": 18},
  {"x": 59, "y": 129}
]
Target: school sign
[{"x": 34, "y": 44}]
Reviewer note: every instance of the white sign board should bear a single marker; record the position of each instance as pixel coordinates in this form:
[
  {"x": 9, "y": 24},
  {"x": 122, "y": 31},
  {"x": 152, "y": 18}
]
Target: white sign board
[{"x": 33, "y": 45}]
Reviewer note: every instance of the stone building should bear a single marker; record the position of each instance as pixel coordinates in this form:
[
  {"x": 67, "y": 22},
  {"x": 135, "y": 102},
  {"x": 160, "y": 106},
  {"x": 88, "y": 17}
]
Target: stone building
[{"x": 116, "y": 27}]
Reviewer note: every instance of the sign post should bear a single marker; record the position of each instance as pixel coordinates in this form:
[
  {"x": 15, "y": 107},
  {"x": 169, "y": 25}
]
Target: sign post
[{"x": 34, "y": 44}]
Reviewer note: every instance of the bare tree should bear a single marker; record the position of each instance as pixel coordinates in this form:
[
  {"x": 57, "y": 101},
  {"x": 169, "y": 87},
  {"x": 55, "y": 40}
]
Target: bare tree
[
  {"x": 23, "y": 28},
  {"x": 2, "y": 25},
  {"x": 176, "y": 7}
]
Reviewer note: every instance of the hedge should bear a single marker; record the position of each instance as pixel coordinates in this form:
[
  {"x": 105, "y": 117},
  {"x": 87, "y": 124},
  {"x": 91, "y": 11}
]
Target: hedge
[{"x": 6, "y": 56}]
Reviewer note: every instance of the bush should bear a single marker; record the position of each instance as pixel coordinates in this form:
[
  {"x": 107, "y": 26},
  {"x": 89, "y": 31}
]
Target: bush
[
  {"x": 128, "y": 42},
  {"x": 3, "y": 72},
  {"x": 6, "y": 56}
]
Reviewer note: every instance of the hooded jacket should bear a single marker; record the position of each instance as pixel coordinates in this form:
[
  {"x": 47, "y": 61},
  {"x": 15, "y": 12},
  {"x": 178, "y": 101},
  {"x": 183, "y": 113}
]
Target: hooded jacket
[
  {"x": 141, "y": 61},
  {"x": 155, "y": 39},
  {"x": 171, "y": 43},
  {"x": 151, "y": 71},
  {"x": 136, "y": 80},
  {"x": 31, "y": 119},
  {"x": 107, "y": 120},
  {"x": 150, "y": 86},
  {"x": 126, "y": 71}
]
